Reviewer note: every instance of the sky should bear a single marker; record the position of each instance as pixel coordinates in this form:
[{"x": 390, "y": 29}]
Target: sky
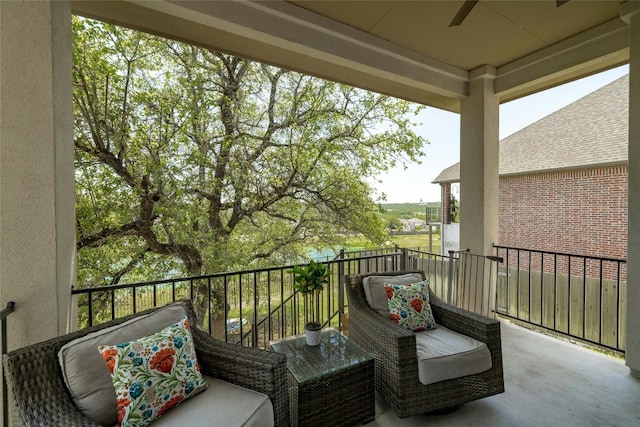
[{"x": 442, "y": 130}]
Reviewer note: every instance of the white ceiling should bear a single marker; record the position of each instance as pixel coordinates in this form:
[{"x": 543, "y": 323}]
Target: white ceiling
[{"x": 402, "y": 48}]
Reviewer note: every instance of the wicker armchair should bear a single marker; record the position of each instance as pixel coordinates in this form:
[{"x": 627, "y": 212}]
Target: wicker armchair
[
  {"x": 396, "y": 363},
  {"x": 40, "y": 397}
]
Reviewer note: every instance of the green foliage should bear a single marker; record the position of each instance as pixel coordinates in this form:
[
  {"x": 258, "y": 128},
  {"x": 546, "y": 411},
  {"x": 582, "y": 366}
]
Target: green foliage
[
  {"x": 454, "y": 209},
  {"x": 407, "y": 210},
  {"x": 393, "y": 223},
  {"x": 191, "y": 161},
  {"x": 310, "y": 278}
]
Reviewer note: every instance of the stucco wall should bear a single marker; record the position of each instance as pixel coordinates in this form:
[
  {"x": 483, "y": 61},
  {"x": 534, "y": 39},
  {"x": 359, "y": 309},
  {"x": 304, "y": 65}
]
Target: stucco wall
[
  {"x": 450, "y": 238},
  {"x": 37, "y": 226}
]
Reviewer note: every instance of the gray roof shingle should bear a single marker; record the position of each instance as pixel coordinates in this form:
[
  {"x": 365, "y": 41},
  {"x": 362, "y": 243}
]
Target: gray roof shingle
[{"x": 593, "y": 131}]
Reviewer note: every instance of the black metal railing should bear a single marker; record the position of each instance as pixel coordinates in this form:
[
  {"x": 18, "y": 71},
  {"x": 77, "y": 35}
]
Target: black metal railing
[
  {"x": 577, "y": 296},
  {"x": 249, "y": 307},
  {"x": 581, "y": 297},
  {"x": 440, "y": 270},
  {"x": 462, "y": 279}
]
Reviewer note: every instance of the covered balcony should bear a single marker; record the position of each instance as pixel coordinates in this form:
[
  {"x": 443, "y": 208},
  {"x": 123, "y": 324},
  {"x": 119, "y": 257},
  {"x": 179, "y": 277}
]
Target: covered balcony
[
  {"x": 496, "y": 52},
  {"x": 552, "y": 376},
  {"x": 557, "y": 371}
]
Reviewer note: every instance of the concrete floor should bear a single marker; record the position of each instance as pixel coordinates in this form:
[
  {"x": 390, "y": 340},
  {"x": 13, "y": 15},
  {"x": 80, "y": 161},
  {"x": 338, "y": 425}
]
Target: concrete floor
[{"x": 548, "y": 382}]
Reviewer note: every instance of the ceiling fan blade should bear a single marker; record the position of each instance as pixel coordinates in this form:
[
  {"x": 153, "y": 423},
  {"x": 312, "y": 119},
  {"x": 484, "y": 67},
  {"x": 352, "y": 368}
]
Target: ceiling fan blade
[{"x": 463, "y": 12}]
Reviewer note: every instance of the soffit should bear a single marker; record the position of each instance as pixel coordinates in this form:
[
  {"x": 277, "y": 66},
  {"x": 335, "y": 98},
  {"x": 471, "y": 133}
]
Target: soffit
[
  {"x": 493, "y": 33},
  {"x": 400, "y": 48}
]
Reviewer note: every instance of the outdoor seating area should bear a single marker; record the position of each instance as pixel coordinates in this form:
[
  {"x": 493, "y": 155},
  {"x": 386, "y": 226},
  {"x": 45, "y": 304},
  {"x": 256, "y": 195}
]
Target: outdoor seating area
[
  {"x": 460, "y": 360},
  {"x": 548, "y": 382},
  {"x": 64, "y": 381}
]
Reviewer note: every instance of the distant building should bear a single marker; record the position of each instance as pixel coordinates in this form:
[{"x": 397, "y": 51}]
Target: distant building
[
  {"x": 563, "y": 180},
  {"x": 413, "y": 224}
]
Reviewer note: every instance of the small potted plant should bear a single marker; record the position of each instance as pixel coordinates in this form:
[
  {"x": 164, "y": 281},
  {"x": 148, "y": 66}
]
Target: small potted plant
[{"x": 309, "y": 280}]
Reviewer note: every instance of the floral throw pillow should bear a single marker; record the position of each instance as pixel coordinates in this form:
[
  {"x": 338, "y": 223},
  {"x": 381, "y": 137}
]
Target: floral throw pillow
[
  {"x": 409, "y": 306},
  {"x": 153, "y": 374}
]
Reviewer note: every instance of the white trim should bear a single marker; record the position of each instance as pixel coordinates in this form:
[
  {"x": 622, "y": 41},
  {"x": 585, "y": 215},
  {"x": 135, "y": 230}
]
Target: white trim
[{"x": 593, "y": 50}]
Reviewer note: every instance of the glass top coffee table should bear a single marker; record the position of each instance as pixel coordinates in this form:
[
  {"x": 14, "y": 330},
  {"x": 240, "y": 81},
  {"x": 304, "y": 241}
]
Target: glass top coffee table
[{"x": 330, "y": 384}]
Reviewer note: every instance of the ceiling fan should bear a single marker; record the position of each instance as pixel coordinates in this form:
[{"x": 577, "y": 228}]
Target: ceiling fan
[{"x": 469, "y": 4}]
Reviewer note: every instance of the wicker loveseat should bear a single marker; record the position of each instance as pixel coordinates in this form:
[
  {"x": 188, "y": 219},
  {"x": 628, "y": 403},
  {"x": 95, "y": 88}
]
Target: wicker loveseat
[
  {"x": 396, "y": 362},
  {"x": 40, "y": 396}
]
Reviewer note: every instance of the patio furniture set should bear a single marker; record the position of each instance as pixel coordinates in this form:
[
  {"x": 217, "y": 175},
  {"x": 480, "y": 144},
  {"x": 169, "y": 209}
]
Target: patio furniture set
[{"x": 457, "y": 359}]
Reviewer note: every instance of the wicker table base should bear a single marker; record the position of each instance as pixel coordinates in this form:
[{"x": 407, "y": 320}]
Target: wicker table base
[{"x": 331, "y": 384}]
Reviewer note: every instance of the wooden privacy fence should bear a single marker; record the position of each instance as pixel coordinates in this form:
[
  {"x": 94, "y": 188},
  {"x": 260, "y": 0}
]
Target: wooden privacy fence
[
  {"x": 581, "y": 297},
  {"x": 578, "y": 296}
]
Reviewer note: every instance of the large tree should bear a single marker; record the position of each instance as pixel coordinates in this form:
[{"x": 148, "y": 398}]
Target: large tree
[{"x": 190, "y": 160}]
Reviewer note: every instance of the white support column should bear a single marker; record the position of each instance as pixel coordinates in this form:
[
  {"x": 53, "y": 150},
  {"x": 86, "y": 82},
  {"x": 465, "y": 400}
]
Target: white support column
[
  {"x": 479, "y": 135},
  {"x": 37, "y": 202},
  {"x": 630, "y": 12}
]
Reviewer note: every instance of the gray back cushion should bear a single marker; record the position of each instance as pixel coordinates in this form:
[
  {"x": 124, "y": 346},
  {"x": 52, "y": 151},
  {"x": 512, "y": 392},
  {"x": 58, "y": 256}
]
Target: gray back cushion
[
  {"x": 86, "y": 373},
  {"x": 375, "y": 293}
]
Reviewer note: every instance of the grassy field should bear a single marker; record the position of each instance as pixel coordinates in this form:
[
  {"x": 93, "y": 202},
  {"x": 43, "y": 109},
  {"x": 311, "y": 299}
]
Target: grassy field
[
  {"x": 405, "y": 241},
  {"x": 417, "y": 240}
]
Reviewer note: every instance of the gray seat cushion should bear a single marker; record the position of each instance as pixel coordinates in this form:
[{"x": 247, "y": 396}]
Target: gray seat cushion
[
  {"x": 85, "y": 372},
  {"x": 374, "y": 290},
  {"x": 222, "y": 404},
  {"x": 444, "y": 354}
]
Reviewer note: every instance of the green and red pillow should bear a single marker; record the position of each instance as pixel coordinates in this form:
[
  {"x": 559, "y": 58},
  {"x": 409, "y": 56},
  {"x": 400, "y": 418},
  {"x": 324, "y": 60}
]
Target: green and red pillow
[
  {"x": 153, "y": 374},
  {"x": 409, "y": 306}
]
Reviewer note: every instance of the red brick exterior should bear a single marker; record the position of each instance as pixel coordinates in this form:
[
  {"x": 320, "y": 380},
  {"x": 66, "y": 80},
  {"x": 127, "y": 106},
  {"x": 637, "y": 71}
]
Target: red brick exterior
[
  {"x": 446, "y": 203},
  {"x": 581, "y": 212}
]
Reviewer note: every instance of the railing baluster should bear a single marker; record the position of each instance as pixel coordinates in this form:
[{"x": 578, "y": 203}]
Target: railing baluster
[
  {"x": 209, "y": 306},
  {"x": 518, "y": 284},
  {"x": 113, "y": 304},
  {"x": 508, "y": 285},
  {"x": 239, "y": 281},
  {"x": 225, "y": 308},
  {"x": 542, "y": 289},
  {"x": 584, "y": 297},
  {"x": 256, "y": 297},
  {"x": 529, "y": 285},
  {"x": 569, "y": 296},
  {"x": 155, "y": 296},
  {"x": 618, "y": 305},
  {"x": 555, "y": 289},
  {"x": 134, "y": 299},
  {"x": 270, "y": 325},
  {"x": 283, "y": 319},
  {"x": 601, "y": 303},
  {"x": 341, "y": 288},
  {"x": 90, "y": 308},
  {"x": 450, "y": 279}
]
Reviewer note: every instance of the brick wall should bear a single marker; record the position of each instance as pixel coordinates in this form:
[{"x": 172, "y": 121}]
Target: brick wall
[
  {"x": 445, "y": 197},
  {"x": 582, "y": 212}
]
